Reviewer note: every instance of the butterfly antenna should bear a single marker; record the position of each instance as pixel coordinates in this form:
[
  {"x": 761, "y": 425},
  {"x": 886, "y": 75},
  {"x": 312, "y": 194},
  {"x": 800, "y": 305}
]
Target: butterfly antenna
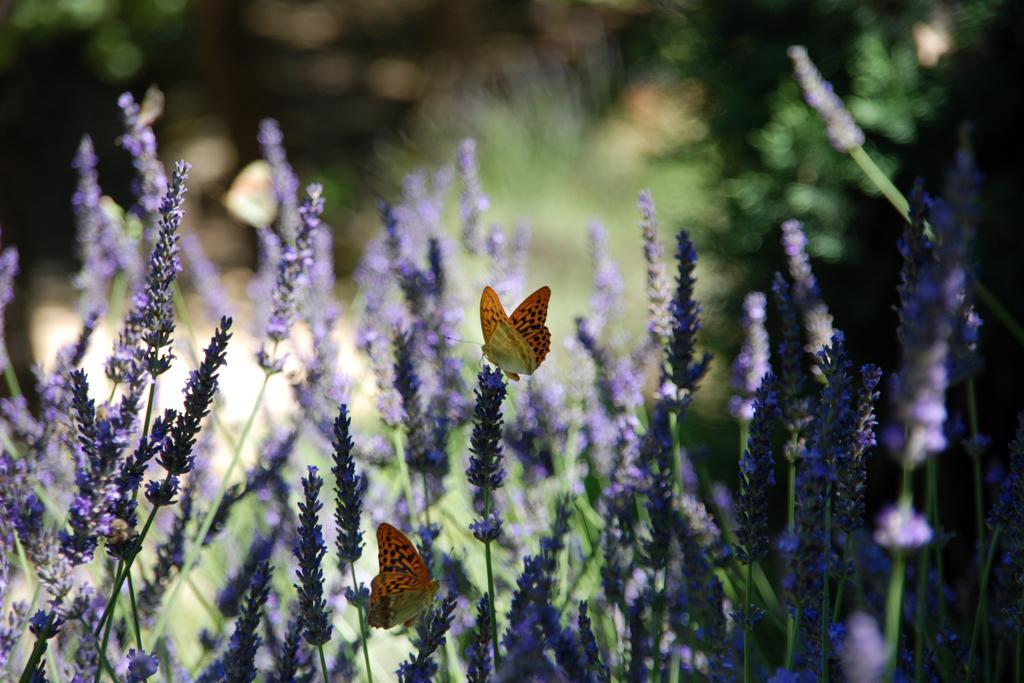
[{"x": 461, "y": 341}]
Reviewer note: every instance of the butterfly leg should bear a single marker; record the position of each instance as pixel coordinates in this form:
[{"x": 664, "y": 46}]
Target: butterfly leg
[{"x": 512, "y": 376}]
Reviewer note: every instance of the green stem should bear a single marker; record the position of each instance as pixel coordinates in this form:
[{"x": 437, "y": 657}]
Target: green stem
[
  {"x": 747, "y": 626},
  {"x": 894, "y": 597},
  {"x": 491, "y": 605},
  {"x": 794, "y": 621},
  {"x": 426, "y": 499},
  {"x": 983, "y": 587},
  {"x": 403, "y": 470},
  {"x": 362, "y": 626},
  {"x": 196, "y": 547},
  {"x": 10, "y": 377},
  {"x": 919, "y": 614},
  {"x": 999, "y": 311},
  {"x": 893, "y": 604},
  {"x": 33, "y": 660},
  {"x": 881, "y": 181},
  {"x": 841, "y": 584},
  {"x": 323, "y": 663},
  {"x": 135, "y": 613},
  {"x": 932, "y": 510}
]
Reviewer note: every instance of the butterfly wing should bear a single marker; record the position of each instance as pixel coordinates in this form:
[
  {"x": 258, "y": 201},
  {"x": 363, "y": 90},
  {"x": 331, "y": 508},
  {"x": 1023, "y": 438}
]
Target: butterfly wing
[
  {"x": 491, "y": 313},
  {"x": 396, "y": 553},
  {"x": 397, "y": 597},
  {"x": 528, "y": 320}
]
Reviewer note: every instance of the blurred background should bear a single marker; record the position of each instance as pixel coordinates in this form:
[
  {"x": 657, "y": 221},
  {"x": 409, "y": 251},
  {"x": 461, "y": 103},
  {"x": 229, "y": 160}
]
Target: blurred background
[{"x": 575, "y": 106}]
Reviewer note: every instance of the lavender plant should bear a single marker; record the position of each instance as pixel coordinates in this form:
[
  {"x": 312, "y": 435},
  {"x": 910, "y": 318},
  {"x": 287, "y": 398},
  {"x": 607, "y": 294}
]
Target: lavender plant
[{"x": 610, "y": 553}]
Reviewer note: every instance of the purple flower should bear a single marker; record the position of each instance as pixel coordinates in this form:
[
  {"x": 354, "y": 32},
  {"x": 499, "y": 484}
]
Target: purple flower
[
  {"x": 230, "y": 597},
  {"x": 176, "y": 453},
  {"x": 309, "y": 550},
  {"x": 239, "y": 662},
  {"x": 472, "y": 201},
  {"x": 8, "y": 269},
  {"x": 283, "y": 181},
  {"x": 852, "y": 474},
  {"x": 139, "y": 141},
  {"x": 806, "y": 292},
  {"x": 205, "y": 278},
  {"x": 421, "y": 453},
  {"x": 478, "y": 652},
  {"x": 899, "y": 528},
  {"x": 931, "y": 289},
  {"x": 682, "y": 370},
  {"x": 349, "y": 489},
  {"x": 486, "y": 470},
  {"x": 864, "y": 654},
  {"x": 103, "y": 248},
  {"x": 757, "y": 476},
  {"x": 751, "y": 364},
  {"x": 659, "y": 321},
  {"x": 430, "y": 635},
  {"x": 606, "y": 299},
  {"x": 790, "y": 354},
  {"x": 90, "y": 514},
  {"x": 292, "y": 276},
  {"x": 843, "y": 133},
  {"x": 141, "y": 666},
  {"x": 963, "y": 183},
  {"x": 151, "y": 319}
]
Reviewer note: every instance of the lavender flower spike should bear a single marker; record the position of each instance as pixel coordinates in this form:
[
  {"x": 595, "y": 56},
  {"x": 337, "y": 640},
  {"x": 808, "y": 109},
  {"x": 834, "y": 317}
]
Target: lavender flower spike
[
  {"x": 806, "y": 292},
  {"x": 757, "y": 476},
  {"x": 843, "y": 133},
  {"x": 293, "y": 274},
  {"x": 8, "y": 269},
  {"x": 310, "y": 549},
  {"x": 100, "y": 243},
  {"x": 751, "y": 364},
  {"x": 349, "y": 488},
  {"x": 283, "y": 181},
  {"x": 900, "y": 528},
  {"x": 606, "y": 299},
  {"x": 430, "y": 635},
  {"x": 478, "y": 652},
  {"x": 239, "y": 662},
  {"x": 864, "y": 653},
  {"x": 683, "y": 371},
  {"x": 932, "y": 287},
  {"x": 659, "y": 322},
  {"x": 139, "y": 141},
  {"x": 176, "y": 452},
  {"x": 472, "y": 202},
  {"x": 486, "y": 471}
]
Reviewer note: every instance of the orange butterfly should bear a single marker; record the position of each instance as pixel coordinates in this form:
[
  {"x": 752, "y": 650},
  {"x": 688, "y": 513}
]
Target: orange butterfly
[
  {"x": 519, "y": 343},
  {"x": 403, "y": 589}
]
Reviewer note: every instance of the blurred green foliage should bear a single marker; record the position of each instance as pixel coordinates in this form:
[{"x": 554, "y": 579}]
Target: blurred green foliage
[{"x": 119, "y": 36}]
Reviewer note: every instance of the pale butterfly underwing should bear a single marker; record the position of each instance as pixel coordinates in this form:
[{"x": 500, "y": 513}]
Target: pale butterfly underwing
[
  {"x": 403, "y": 589},
  {"x": 519, "y": 343}
]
